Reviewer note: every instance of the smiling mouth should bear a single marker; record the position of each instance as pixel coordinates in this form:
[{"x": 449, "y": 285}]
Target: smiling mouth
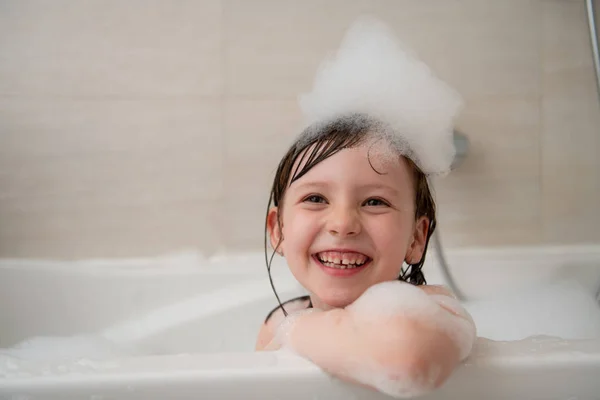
[{"x": 342, "y": 259}]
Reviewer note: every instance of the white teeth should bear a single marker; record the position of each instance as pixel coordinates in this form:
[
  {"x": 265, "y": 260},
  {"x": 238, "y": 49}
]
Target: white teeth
[
  {"x": 340, "y": 266},
  {"x": 341, "y": 260}
]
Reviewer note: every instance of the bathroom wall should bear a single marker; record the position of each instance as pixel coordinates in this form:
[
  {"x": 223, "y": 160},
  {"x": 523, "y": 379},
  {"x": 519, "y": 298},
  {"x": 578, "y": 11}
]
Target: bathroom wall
[{"x": 142, "y": 127}]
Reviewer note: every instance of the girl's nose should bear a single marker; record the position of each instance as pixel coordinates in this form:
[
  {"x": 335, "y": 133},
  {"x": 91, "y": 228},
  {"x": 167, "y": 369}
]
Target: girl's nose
[{"x": 344, "y": 221}]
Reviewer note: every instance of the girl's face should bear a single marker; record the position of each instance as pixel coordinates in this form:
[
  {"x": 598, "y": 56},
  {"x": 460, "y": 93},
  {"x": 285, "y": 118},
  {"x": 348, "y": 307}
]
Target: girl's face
[{"x": 345, "y": 227}]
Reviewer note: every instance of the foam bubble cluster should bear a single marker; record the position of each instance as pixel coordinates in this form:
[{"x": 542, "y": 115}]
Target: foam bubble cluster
[{"x": 372, "y": 74}]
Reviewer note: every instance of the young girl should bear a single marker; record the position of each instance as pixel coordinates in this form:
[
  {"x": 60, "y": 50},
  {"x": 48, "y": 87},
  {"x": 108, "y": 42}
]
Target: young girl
[{"x": 351, "y": 204}]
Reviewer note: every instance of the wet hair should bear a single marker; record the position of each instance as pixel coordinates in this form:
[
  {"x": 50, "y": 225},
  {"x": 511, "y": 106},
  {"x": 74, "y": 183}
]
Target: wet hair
[{"x": 321, "y": 141}]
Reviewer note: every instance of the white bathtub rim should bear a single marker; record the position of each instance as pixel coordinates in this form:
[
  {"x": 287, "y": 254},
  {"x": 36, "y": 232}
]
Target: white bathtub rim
[
  {"x": 191, "y": 261},
  {"x": 507, "y": 357},
  {"x": 549, "y": 353}
]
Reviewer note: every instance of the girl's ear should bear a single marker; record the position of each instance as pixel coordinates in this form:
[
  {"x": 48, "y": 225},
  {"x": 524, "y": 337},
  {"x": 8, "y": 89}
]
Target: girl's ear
[
  {"x": 274, "y": 230},
  {"x": 416, "y": 249}
]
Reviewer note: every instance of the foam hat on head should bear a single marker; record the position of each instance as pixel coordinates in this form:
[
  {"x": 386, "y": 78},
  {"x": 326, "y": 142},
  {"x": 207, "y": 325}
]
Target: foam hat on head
[{"x": 372, "y": 74}]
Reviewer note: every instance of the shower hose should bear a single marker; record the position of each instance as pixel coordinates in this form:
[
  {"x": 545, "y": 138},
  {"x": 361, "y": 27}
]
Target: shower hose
[{"x": 591, "y": 14}]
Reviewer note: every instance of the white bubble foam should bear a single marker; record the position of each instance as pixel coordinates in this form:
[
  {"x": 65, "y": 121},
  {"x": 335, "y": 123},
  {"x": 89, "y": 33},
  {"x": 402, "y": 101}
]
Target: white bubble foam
[
  {"x": 393, "y": 298},
  {"x": 60, "y": 355},
  {"x": 373, "y": 74}
]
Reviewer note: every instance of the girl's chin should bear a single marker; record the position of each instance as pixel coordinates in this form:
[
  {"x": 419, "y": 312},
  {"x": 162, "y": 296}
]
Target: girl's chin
[{"x": 334, "y": 300}]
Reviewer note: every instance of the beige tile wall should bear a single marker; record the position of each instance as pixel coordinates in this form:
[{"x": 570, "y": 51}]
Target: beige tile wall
[{"x": 137, "y": 128}]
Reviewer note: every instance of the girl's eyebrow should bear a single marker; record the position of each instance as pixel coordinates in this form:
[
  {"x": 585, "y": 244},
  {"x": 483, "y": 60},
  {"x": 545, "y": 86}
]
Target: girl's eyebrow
[
  {"x": 380, "y": 186},
  {"x": 309, "y": 184}
]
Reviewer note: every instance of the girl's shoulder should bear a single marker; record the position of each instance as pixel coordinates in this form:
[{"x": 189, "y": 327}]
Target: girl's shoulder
[
  {"x": 299, "y": 303},
  {"x": 437, "y": 289},
  {"x": 276, "y": 316}
]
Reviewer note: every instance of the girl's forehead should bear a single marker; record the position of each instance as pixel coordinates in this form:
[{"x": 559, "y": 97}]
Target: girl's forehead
[{"x": 366, "y": 163}]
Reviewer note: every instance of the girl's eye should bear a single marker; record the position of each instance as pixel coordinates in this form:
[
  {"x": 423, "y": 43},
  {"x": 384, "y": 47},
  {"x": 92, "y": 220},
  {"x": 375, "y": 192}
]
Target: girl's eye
[
  {"x": 315, "y": 198},
  {"x": 375, "y": 203}
]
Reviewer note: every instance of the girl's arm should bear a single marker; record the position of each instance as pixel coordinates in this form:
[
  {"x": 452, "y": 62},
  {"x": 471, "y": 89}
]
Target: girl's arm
[{"x": 396, "y": 338}]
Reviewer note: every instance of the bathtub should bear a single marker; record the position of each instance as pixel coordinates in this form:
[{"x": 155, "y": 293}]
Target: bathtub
[{"x": 183, "y": 326}]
